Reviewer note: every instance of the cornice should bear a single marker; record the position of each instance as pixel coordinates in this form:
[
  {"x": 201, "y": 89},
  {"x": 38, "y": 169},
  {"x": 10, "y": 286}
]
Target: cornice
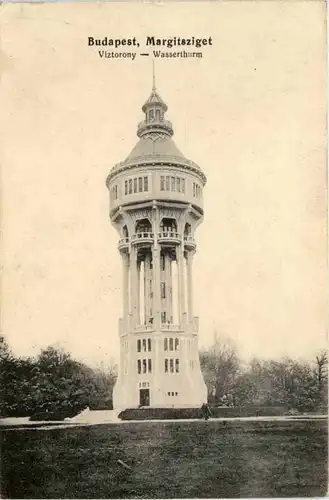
[
  {"x": 154, "y": 204},
  {"x": 155, "y": 163}
]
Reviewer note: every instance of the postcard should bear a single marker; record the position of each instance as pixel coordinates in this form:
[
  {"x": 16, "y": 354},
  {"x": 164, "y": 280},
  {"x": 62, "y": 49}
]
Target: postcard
[{"x": 164, "y": 249}]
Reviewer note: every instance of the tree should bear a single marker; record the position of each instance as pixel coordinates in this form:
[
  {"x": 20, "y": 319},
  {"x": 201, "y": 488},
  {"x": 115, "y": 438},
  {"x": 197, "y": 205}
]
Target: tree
[
  {"x": 6, "y": 371},
  {"x": 59, "y": 387},
  {"x": 220, "y": 366},
  {"x": 15, "y": 376},
  {"x": 62, "y": 386},
  {"x": 53, "y": 385},
  {"x": 103, "y": 378},
  {"x": 321, "y": 375}
]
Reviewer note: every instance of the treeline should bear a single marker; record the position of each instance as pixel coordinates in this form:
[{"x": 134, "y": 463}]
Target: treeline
[
  {"x": 296, "y": 385},
  {"x": 51, "y": 386}
]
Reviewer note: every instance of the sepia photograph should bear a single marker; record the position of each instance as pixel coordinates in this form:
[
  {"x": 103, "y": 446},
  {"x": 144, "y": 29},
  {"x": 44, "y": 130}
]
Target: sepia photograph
[{"x": 164, "y": 286}]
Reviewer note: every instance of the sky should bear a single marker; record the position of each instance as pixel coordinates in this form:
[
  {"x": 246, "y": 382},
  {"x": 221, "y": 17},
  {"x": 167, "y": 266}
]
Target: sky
[{"x": 251, "y": 113}]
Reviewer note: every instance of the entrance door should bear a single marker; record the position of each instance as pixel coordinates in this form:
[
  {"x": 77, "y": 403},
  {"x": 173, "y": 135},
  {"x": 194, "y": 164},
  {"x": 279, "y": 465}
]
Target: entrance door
[{"x": 144, "y": 397}]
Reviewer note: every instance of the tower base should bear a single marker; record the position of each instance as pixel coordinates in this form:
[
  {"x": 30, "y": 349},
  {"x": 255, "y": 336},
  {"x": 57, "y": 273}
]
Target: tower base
[{"x": 165, "y": 391}]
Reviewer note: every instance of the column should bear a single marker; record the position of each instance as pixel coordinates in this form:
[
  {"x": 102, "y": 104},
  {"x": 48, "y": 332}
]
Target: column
[
  {"x": 138, "y": 305},
  {"x": 174, "y": 300},
  {"x": 147, "y": 288},
  {"x": 181, "y": 283},
  {"x": 156, "y": 285},
  {"x": 125, "y": 287},
  {"x": 142, "y": 293},
  {"x": 168, "y": 280},
  {"x": 133, "y": 285},
  {"x": 156, "y": 271},
  {"x": 190, "y": 285}
]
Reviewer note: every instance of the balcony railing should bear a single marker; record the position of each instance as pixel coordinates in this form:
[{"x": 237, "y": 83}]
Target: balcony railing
[
  {"x": 171, "y": 235},
  {"x": 189, "y": 240},
  {"x": 123, "y": 242},
  {"x": 154, "y": 123},
  {"x": 142, "y": 236},
  {"x": 170, "y": 326},
  {"x": 144, "y": 328}
]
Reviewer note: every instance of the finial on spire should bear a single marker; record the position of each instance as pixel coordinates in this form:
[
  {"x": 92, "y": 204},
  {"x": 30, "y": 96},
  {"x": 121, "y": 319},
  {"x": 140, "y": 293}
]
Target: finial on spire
[{"x": 153, "y": 66}]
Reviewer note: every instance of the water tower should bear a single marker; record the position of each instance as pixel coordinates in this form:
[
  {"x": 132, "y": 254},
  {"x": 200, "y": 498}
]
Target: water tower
[{"x": 156, "y": 204}]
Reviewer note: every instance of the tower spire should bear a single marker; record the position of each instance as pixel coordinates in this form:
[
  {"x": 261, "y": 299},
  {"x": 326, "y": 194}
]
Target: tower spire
[
  {"x": 153, "y": 70},
  {"x": 154, "y": 109}
]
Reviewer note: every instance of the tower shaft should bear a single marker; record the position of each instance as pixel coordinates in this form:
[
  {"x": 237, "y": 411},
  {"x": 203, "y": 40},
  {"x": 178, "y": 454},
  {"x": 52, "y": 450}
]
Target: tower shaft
[{"x": 156, "y": 204}]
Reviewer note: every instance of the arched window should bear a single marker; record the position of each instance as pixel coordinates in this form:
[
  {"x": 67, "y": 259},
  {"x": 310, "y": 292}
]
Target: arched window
[
  {"x": 168, "y": 225},
  {"x": 143, "y": 226},
  {"x": 125, "y": 232},
  {"x": 187, "y": 229}
]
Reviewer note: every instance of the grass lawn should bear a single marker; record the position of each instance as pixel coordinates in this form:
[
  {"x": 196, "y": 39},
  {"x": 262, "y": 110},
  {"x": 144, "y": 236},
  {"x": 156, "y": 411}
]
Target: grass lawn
[{"x": 168, "y": 460}]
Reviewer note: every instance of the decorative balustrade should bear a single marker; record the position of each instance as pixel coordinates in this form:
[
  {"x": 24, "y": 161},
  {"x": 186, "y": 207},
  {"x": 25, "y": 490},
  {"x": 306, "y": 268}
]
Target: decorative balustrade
[
  {"x": 168, "y": 235},
  {"x": 153, "y": 123},
  {"x": 123, "y": 242},
  {"x": 142, "y": 236},
  {"x": 189, "y": 241},
  {"x": 163, "y": 235},
  {"x": 170, "y": 327},
  {"x": 144, "y": 328}
]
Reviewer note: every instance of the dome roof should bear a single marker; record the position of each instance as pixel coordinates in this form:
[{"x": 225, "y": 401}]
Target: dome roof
[
  {"x": 155, "y": 134},
  {"x": 155, "y": 140},
  {"x": 155, "y": 145}
]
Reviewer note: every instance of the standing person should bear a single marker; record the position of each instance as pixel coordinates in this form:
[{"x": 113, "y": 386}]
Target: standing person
[{"x": 205, "y": 411}]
